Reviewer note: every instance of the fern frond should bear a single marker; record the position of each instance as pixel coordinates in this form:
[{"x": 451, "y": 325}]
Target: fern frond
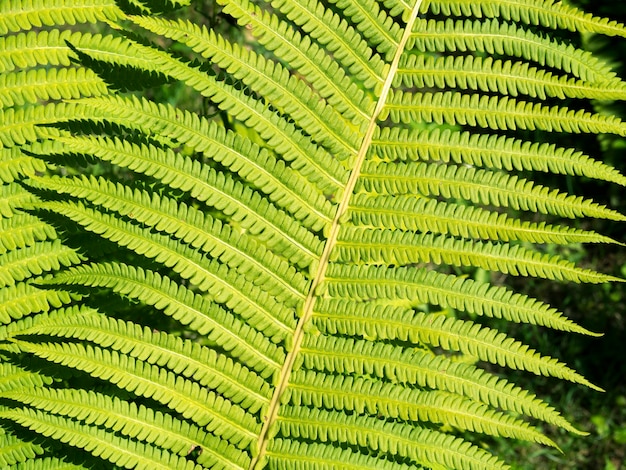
[
  {"x": 286, "y": 93},
  {"x": 15, "y": 165},
  {"x": 451, "y": 334},
  {"x": 207, "y": 409},
  {"x": 14, "y": 450},
  {"x": 110, "y": 447},
  {"x": 249, "y": 275},
  {"x": 478, "y": 186},
  {"x": 494, "y": 37},
  {"x": 385, "y": 438},
  {"x": 548, "y": 13},
  {"x": 24, "y": 230},
  {"x": 35, "y": 260},
  {"x": 25, "y": 50},
  {"x": 283, "y": 454},
  {"x": 22, "y": 15},
  {"x": 494, "y": 151},
  {"x": 18, "y": 126},
  {"x": 497, "y": 76},
  {"x": 137, "y": 422},
  {"x": 13, "y": 197},
  {"x": 23, "y": 298},
  {"x": 157, "y": 6},
  {"x": 36, "y": 85},
  {"x": 184, "y": 358},
  {"x": 225, "y": 285},
  {"x": 311, "y": 160},
  {"x": 200, "y": 231},
  {"x": 280, "y": 183},
  {"x": 421, "y": 214},
  {"x": 397, "y": 364},
  {"x": 494, "y": 112},
  {"x": 252, "y": 212},
  {"x": 329, "y": 29},
  {"x": 374, "y": 24},
  {"x": 13, "y": 377},
  {"x": 290, "y": 46},
  {"x": 380, "y": 247},
  {"x": 369, "y": 397},
  {"x": 478, "y": 298},
  {"x": 218, "y": 326}
]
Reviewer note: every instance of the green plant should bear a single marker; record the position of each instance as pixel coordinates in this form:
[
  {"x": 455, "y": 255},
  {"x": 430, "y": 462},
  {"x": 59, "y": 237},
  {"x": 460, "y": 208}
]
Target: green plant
[{"x": 258, "y": 274}]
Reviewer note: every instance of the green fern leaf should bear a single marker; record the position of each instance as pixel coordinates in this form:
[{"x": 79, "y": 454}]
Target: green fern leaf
[
  {"x": 491, "y": 151},
  {"x": 14, "y": 450},
  {"x": 242, "y": 235},
  {"x": 119, "y": 451},
  {"x": 202, "y": 365},
  {"x": 22, "y": 15},
  {"x": 419, "y": 444},
  {"x": 372, "y": 246},
  {"x": 35, "y": 260},
  {"x": 369, "y": 397},
  {"x": 15, "y": 165},
  {"x": 24, "y": 298},
  {"x": 420, "y": 214},
  {"x": 508, "y": 78},
  {"x": 404, "y": 365},
  {"x": 477, "y": 186},
  {"x": 497, "y": 113},
  {"x": 218, "y": 325},
  {"x": 550, "y": 14},
  {"x": 138, "y": 422},
  {"x": 491, "y": 36},
  {"x": 40, "y": 84},
  {"x": 24, "y": 230},
  {"x": 206, "y": 408}
]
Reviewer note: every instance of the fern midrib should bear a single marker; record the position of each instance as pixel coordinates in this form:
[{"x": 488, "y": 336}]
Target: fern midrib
[{"x": 307, "y": 312}]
